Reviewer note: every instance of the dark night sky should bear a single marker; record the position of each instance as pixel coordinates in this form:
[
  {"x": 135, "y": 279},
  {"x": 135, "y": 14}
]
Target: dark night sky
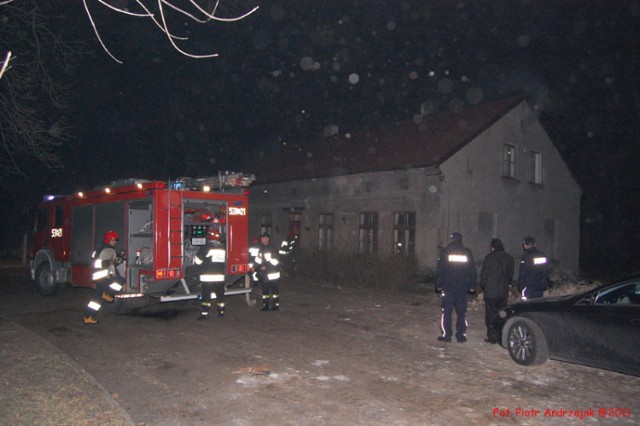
[{"x": 294, "y": 67}]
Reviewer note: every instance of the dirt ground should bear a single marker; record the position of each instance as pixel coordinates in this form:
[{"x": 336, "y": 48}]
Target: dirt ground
[{"x": 331, "y": 356}]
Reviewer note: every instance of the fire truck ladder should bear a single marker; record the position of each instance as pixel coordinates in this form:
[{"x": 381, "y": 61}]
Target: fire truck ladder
[{"x": 175, "y": 223}]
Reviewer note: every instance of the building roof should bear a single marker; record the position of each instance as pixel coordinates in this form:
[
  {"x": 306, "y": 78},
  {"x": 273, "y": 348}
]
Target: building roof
[{"x": 392, "y": 147}]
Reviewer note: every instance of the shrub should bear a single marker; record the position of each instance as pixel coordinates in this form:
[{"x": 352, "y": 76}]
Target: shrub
[{"x": 383, "y": 273}]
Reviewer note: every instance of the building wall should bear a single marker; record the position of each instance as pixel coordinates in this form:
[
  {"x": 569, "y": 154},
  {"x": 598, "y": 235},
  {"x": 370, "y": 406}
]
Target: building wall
[
  {"x": 412, "y": 190},
  {"x": 480, "y": 203},
  {"x": 467, "y": 193}
]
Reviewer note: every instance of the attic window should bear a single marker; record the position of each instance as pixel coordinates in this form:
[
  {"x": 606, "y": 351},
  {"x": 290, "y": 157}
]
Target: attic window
[
  {"x": 536, "y": 168},
  {"x": 509, "y": 161}
]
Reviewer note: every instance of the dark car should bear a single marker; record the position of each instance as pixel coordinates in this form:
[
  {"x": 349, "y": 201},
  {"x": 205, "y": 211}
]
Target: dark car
[{"x": 599, "y": 328}]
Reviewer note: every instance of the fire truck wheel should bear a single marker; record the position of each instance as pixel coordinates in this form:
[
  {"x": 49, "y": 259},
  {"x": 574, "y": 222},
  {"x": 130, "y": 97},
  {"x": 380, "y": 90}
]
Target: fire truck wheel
[
  {"x": 248, "y": 284},
  {"x": 46, "y": 281}
]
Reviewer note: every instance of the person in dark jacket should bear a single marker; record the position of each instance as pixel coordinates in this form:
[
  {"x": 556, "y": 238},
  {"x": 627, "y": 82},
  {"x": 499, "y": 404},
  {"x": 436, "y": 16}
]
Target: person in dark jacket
[
  {"x": 534, "y": 271},
  {"x": 456, "y": 277},
  {"x": 496, "y": 276},
  {"x": 267, "y": 266}
]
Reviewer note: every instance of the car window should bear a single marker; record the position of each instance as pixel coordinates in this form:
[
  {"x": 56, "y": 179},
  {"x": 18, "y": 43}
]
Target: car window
[{"x": 622, "y": 294}]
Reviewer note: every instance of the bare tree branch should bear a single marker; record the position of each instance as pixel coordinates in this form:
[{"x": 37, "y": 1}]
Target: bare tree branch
[
  {"x": 199, "y": 15},
  {"x": 29, "y": 94}
]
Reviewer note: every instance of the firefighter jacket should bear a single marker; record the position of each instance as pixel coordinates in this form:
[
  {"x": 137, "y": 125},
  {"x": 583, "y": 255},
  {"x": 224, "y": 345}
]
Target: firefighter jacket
[
  {"x": 211, "y": 261},
  {"x": 267, "y": 263},
  {"x": 104, "y": 263},
  {"x": 287, "y": 246},
  {"x": 253, "y": 253},
  {"x": 496, "y": 274},
  {"x": 456, "y": 270},
  {"x": 534, "y": 270}
]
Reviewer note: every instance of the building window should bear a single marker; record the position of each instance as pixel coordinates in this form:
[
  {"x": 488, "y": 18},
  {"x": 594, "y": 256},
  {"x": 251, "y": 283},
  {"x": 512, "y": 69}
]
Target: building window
[
  {"x": 404, "y": 183},
  {"x": 295, "y": 219},
  {"x": 368, "y": 238},
  {"x": 265, "y": 224},
  {"x": 404, "y": 233},
  {"x": 325, "y": 232},
  {"x": 509, "y": 161},
  {"x": 536, "y": 168}
]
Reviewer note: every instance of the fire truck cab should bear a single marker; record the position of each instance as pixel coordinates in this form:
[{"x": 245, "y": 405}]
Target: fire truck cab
[{"x": 161, "y": 226}]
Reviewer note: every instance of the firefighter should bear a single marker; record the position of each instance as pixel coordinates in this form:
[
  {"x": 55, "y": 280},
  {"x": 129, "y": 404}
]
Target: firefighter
[
  {"x": 268, "y": 271},
  {"x": 534, "y": 270},
  {"x": 211, "y": 263},
  {"x": 456, "y": 276},
  {"x": 254, "y": 248},
  {"x": 106, "y": 278},
  {"x": 288, "y": 244}
]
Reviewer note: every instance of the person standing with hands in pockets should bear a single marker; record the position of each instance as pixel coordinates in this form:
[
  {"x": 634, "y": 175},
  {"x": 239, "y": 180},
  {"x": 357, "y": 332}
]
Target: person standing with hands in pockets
[{"x": 496, "y": 277}]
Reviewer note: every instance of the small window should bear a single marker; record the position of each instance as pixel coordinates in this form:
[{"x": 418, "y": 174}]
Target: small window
[
  {"x": 509, "y": 161},
  {"x": 404, "y": 183},
  {"x": 325, "y": 232},
  {"x": 265, "y": 224},
  {"x": 368, "y": 236},
  {"x": 404, "y": 233},
  {"x": 536, "y": 168},
  {"x": 295, "y": 220}
]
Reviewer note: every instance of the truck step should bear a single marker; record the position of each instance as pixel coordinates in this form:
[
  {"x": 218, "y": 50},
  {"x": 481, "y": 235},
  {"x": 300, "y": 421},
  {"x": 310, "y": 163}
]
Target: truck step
[{"x": 193, "y": 296}]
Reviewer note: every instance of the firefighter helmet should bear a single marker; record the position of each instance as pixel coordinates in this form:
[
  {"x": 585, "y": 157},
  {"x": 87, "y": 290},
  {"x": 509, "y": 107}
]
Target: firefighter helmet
[{"x": 110, "y": 235}]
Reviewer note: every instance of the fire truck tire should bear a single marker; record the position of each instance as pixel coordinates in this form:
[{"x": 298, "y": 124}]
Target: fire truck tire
[
  {"x": 248, "y": 284},
  {"x": 46, "y": 283}
]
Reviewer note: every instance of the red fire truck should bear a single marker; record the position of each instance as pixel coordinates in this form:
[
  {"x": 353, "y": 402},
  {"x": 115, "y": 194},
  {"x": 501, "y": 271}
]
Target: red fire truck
[{"x": 161, "y": 226}]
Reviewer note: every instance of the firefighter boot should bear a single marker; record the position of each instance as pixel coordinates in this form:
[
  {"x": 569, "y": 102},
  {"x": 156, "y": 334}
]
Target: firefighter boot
[
  {"x": 265, "y": 304},
  {"x": 204, "y": 311},
  {"x": 107, "y": 297},
  {"x": 221, "y": 310},
  {"x": 276, "y": 302},
  {"x": 89, "y": 320}
]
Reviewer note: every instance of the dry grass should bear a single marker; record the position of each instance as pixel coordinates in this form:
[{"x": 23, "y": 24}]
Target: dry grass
[{"x": 39, "y": 385}]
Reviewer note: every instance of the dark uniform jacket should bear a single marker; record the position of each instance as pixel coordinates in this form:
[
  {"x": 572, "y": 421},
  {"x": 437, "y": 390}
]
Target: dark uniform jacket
[
  {"x": 456, "y": 269},
  {"x": 534, "y": 270},
  {"x": 496, "y": 274}
]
